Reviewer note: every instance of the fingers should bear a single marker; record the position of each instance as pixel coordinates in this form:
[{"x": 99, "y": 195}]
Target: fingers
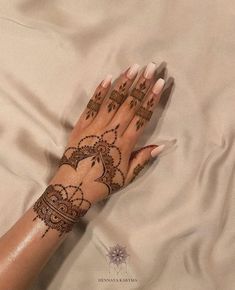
[
  {"x": 127, "y": 110},
  {"x": 118, "y": 107},
  {"x": 144, "y": 113},
  {"x": 140, "y": 159},
  {"x": 117, "y": 96},
  {"x": 93, "y": 106}
]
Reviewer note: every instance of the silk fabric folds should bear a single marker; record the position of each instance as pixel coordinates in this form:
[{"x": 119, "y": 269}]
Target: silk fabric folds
[{"x": 177, "y": 221}]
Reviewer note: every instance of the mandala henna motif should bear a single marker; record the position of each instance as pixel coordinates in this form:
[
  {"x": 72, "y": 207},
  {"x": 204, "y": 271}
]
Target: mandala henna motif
[
  {"x": 93, "y": 105},
  {"x": 60, "y": 207},
  {"x": 144, "y": 114},
  {"x": 117, "y": 97},
  {"x": 100, "y": 150}
]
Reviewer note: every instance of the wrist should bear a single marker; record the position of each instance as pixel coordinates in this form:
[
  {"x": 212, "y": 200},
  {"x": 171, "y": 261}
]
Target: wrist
[{"x": 61, "y": 206}]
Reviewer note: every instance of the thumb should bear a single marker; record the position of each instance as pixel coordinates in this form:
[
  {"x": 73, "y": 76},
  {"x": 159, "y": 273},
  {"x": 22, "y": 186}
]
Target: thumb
[{"x": 140, "y": 158}]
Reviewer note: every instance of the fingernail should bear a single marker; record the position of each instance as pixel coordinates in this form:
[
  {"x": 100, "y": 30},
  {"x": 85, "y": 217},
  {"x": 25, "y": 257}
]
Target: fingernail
[
  {"x": 132, "y": 71},
  {"x": 156, "y": 151},
  {"x": 149, "y": 71},
  {"x": 106, "y": 82},
  {"x": 158, "y": 86},
  {"x": 149, "y": 146}
]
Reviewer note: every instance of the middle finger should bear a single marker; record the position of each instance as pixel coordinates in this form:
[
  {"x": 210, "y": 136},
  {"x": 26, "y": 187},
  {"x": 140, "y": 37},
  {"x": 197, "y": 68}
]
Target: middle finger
[{"x": 137, "y": 95}]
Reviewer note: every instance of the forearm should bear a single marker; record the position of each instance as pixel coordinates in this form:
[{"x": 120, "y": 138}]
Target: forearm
[
  {"x": 23, "y": 251},
  {"x": 97, "y": 162},
  {"x": 33, "y": 239}
]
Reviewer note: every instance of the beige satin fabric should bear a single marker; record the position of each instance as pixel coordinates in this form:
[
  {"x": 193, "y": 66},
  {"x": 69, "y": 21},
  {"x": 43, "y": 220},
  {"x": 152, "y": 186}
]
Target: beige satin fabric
[{"x": 177, "y": 221}]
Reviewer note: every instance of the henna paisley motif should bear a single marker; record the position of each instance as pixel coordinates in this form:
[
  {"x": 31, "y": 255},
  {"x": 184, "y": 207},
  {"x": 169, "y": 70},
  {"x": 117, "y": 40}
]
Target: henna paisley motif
[
  {"x": 100, "y": 149},
  {"x": 60, "y": 207},
  {"x": 137, "y": 169}
]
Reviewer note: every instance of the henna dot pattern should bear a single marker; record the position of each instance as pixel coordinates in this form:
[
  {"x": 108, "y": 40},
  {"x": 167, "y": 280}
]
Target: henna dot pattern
[
  {"x": 60, "y": 207},
  {"x": 100, "y": 149}
]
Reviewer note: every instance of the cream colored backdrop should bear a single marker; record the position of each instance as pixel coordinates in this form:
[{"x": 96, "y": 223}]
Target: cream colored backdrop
[{"x": 177, "y": 221}]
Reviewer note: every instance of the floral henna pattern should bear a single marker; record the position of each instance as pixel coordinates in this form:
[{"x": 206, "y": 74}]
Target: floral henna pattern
[
  {"x": 93, "y": 105},
  {"x": 117, "y": 97},
  {"x": 137, "y": 170},
  {"x": 144, "y": 113},
  {"x": 60, "y": 207},
  {"x": 102, "y": 150}
]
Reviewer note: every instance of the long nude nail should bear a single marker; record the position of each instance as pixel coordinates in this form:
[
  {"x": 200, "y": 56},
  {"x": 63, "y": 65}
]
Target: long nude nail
[
  {"x": 158, "y": 150},
  {"x": 106, "y": 82},
  {"x": 149, "y": 71},
  {"x": 158, "y": 86},
  {"x": 132, "y": 71}
]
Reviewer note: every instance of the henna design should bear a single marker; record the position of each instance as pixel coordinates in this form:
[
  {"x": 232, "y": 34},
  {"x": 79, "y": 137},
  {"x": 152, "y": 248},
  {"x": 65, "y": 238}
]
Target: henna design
[
  {"x": 137, "y": 169},
  {"x": 100, "y": 150},
  {"x": 117, "y": 97},
  {"x": 138, "y": 94},
  {"x": 60, "y": 207},
  {"x": 144, "y": 113},
  {"x": 94, "y": 105}
]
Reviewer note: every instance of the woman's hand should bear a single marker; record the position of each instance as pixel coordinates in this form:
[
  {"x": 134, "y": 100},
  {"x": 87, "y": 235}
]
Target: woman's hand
[{"x": 98, "y": 159}]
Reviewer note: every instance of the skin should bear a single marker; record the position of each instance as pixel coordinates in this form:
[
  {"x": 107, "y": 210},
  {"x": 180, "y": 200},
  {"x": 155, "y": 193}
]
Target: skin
[{"x": 23, "y": 251}]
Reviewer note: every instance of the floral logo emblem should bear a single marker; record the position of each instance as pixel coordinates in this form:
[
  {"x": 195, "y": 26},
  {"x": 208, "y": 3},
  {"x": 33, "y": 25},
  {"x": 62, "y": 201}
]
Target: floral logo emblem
[
  {"x": 118, "y": 260},
  {"x": 117, "y": 255}
]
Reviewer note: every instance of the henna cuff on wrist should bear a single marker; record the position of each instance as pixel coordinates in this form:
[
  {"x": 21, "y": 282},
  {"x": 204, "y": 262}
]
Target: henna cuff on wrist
[{"x": 60, "y": 207}]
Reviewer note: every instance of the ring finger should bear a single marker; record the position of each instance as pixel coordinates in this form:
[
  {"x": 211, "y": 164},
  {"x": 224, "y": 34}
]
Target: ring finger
[
  {"x": 143, "y": 114},
  {"x": 137, "y": 95}
]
